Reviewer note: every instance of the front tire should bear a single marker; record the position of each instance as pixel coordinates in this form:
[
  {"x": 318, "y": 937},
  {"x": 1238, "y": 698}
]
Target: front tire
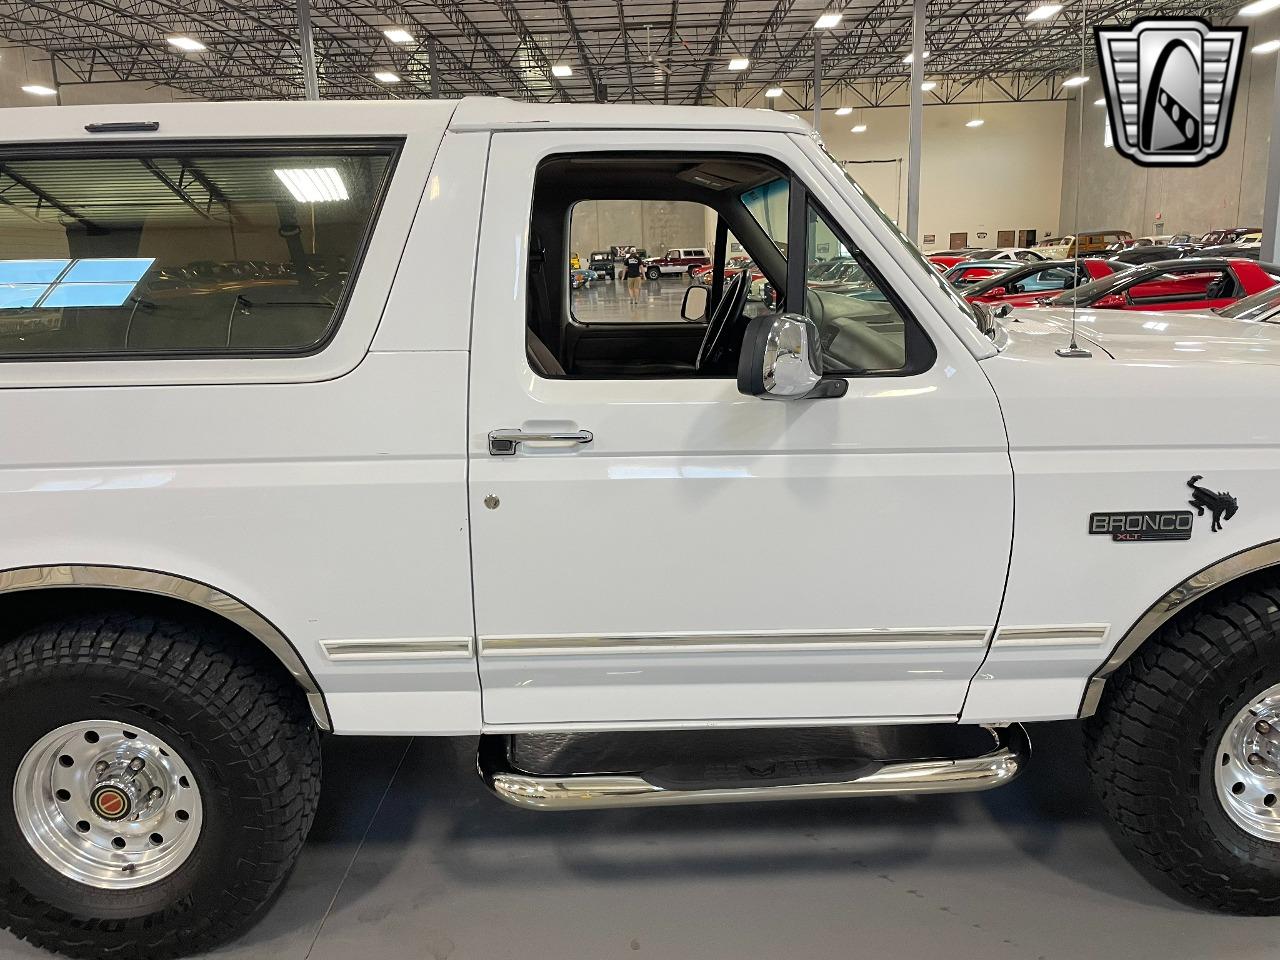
[
  {"x": 162, "y": 778},
  {"x": 1185, "y": 757},
  {"x": 653, "y": 273}
]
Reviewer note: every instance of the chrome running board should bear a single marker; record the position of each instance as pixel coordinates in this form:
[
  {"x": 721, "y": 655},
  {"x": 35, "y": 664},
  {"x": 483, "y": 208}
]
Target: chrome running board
[{"x": 584, "y": 791}]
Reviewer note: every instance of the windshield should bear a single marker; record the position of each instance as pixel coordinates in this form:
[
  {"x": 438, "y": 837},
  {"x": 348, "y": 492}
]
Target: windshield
[
  {"x": 1260, "y": 306},
  {"x": 961, "y": 303},
  {"x": 1088, "y": 292}
]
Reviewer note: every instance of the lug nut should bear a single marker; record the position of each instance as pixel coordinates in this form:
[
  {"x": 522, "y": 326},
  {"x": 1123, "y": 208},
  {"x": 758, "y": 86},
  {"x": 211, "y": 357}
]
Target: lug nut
[
  {"x": 1255, "y": 759},
  {"x": 136, "y": 764},
  {"x": 100, "y": 767},
  {"x": 155, "y": 793},
  {"x": 1262, "y": 726}
]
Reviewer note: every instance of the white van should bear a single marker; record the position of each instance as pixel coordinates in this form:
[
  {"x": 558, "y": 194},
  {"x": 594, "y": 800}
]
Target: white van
[{"x": 276, "y": 463}]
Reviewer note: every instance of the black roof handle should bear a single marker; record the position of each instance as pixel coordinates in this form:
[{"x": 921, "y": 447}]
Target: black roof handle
[{"x": 128, "y": 126}]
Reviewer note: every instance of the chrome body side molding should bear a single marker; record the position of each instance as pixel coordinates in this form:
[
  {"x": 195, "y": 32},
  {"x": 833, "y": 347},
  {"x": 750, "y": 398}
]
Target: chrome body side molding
[
  {"x": 402, "y": 648},
  {"x": 593, "y": 791},
  {"x": 574, "y": 645},
  {"x": 1066, "y": 636},
  {"x": 192, "y": 591},
  {"x": 1188, "y": 591}
]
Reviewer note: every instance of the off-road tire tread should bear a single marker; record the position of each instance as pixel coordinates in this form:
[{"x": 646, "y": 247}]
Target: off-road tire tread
[
  {"x": 1145, "y": 748},
  {"x": 261, "y": 713}
]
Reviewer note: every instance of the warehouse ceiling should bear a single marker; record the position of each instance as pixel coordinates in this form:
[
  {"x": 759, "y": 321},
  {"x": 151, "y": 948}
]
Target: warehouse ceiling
[{"x": 618, "y": 50}]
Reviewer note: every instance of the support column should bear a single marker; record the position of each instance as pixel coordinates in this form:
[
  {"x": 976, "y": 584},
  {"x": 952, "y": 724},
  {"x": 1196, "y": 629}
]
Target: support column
[
  {"x": 917, "y": 121},
  {"x": 1271, "y": 202},
  {"x": 310, "y": 80},
  {"x": 817, "y": 81}
]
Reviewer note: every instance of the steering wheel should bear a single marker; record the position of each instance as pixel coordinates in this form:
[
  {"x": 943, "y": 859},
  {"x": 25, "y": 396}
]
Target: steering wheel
[{"x": 728, "y": 309}]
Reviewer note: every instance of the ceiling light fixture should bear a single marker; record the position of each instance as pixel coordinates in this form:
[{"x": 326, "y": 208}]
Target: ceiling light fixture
[
  {"x": 1270, "y": 46},
  {"x": 1259, "y": 7},
  {"x": 386, "y": 76},
  {"x": 313, "y": 184},
  {"x": 39, "y": 90},
  {"x": 739, "y": 63},
  {"x": 908, "y": 58},
  {"x": 773, "y": 92},
  {"x": 858, "y": 128},
  {"x": 1045, "y": 11},
  {"x": 189, "y": 44},
  {"x": 975, "y": 122},
  {"x": 843, "y": 111},
  {"x": 929, "y": 85},
  {"x": 828, "y": 20},
  {"x": 1079, "y": 81},
  {"x": 561, "y": 70},
  {"x": 398, "y": 35}
]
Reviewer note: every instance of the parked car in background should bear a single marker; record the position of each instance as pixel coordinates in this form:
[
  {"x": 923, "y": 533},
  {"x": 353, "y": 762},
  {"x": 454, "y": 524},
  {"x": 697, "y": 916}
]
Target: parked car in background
[
  {"x": 1031, "y": 283},
  {"x": 1148, "y": 254},
  {"x": 1157, "y": 241},
  {"x": 1020, "y": 254},
  {"x": 1215, "y": 238},
  {"x": 706, "y": 273},
  {"x": 969, "y": 272},
  {"x": 1082, "y": 244},
  {"x": 602, "y": 262},
  {"x": 580, "y": 277},
  {"x": 676, "y": 260},
  {"x": 1261, "y": 307},
  {"x": 1248, "y": 251},
  {"x": 946, "y": 259},
  {"x": 1188, "y": 284}
]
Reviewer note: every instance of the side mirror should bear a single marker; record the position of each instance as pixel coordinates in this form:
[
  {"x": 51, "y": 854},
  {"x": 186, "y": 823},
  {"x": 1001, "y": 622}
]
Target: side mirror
[
  {"x": 1003, "y": 310},
  {"x": 1110, "y": 301},
  {"x": 997, "y": 292},
  {"x": 781, "y": 359},
  {"x": 694, "y": 305}
]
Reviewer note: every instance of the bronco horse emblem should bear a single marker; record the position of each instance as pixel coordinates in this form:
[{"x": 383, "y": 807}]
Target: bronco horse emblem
[{"x": 1223, "y": 506}]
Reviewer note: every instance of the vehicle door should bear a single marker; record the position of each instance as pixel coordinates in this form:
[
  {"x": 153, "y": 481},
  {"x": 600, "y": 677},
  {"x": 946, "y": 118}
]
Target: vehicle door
[
  {"x": 1191, "y": 289},
  {"x": 667, "y": 551}
]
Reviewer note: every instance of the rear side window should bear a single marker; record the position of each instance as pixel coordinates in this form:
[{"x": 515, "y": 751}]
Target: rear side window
[{"x": 177, "y": 253}]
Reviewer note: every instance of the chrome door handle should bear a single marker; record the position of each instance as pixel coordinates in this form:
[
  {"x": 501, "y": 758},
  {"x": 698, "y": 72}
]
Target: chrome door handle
[{"x": 502, "y": 443}]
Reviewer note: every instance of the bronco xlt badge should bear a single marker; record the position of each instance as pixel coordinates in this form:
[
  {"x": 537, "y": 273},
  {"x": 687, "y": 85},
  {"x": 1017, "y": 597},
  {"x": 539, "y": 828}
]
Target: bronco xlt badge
[{"x": 1130, "y": 526}]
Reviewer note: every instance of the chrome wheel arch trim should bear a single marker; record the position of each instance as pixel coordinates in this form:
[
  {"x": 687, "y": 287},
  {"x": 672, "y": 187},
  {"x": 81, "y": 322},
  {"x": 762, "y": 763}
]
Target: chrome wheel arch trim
[
  {"x": 158, "y": 583},
  {"x": 1194, "y": 588}
]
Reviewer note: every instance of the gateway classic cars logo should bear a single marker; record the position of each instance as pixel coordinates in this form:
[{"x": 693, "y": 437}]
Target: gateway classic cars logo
[{"x": 1170, "y": 85}]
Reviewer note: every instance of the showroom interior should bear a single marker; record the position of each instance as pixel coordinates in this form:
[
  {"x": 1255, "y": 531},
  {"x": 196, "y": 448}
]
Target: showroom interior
[{"x": 984, "y": 133}]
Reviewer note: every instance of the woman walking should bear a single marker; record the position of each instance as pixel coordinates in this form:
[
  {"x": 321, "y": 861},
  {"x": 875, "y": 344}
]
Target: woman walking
[{"x": 633, "y": 263}]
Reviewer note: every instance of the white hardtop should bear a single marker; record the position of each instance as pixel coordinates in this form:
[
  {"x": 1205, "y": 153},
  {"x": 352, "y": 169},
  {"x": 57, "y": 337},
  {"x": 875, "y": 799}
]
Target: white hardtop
[{"x": 335, "y": 118}]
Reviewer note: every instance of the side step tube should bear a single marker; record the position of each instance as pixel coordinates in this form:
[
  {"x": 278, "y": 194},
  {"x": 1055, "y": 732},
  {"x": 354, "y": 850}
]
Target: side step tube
[{"x": 589, "y": 791}]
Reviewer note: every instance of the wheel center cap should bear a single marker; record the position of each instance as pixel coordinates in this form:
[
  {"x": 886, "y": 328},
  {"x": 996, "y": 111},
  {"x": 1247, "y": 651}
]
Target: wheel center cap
[{"x": 109, "y": 802}]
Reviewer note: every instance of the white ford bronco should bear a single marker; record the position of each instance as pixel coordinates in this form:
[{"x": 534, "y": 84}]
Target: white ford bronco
[{"x": 279, "y": 461}]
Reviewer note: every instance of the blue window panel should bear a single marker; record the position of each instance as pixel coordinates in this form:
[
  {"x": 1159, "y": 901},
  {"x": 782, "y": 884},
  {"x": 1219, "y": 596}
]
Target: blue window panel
[
  {"x": 109, "y": 270},
  {"x": 31, "y": 271},
  {"x": 19, "y": 295},
  {"x": 88, "y": 294}
]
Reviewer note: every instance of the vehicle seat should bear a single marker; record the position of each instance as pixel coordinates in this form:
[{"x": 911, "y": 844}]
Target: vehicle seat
[
  {"x": 1220, "y": 286},
  {"x": 542, "y": 360}
]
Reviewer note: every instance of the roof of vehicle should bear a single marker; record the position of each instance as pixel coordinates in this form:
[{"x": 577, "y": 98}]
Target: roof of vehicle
[{"x": 368, "y": 117}]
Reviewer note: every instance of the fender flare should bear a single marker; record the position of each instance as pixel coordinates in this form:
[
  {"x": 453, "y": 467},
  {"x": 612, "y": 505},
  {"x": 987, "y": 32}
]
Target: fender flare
[
  {"x": 1189, "y": 591},
  {"x": 158, "y": 583}
]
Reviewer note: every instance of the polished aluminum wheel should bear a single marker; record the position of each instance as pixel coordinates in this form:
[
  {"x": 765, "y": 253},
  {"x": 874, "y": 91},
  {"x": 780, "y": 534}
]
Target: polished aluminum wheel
[
  {"x": 1247, "y": 772},
  {"x": 107, "y": 804}
]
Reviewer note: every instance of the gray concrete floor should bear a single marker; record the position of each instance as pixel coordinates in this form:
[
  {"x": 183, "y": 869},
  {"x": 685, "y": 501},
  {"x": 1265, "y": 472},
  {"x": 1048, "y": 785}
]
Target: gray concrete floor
[{"x": 411, "y": 858}]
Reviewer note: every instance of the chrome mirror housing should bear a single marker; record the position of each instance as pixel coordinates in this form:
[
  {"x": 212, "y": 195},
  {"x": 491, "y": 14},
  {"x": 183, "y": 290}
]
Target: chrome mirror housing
[{"x": 781, "y": 359}]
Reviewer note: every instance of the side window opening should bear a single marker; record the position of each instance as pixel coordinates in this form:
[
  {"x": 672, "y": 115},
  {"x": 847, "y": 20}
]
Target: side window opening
[{"x": 170, "y": 253}]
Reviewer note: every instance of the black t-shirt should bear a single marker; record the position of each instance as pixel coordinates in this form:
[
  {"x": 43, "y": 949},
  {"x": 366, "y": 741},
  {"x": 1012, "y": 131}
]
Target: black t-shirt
[{"x": 633, "y": 265}]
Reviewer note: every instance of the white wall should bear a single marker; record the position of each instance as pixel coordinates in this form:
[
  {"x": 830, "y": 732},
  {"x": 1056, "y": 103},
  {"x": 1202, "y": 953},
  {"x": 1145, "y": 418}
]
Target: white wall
[{"x": 1004, "y": 175}]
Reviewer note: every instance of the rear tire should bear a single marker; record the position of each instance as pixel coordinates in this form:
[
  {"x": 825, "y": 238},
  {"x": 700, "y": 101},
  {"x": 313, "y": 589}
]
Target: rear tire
[
  {"x": 245, "y": 746},
  {"x": 1176, "y": 759}
]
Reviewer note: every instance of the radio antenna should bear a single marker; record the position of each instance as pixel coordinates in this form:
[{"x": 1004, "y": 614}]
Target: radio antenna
[{"x": 1074, "y": 349}]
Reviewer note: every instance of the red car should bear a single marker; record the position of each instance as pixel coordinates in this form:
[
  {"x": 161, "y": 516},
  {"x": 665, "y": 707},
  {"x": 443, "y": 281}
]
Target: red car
[
  {"x": 1033, "y": 283},
  {"x": 1192, "y": 283},
  {"x": 947, "y": 259},
  {"x": 704, "y": 274}
]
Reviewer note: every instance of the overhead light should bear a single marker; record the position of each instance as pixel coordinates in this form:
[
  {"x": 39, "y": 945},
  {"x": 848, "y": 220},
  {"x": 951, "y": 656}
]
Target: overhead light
[
  {"x": 1270, "y": 46},
  {"x": 975, "y": 122},
  {"x": 398, "y": 35},
  {"x": 858, "y": 128},
  {"x": 827, "y": 21},
  {"x": 39, "y": 90},
  {"x": 739, "y": 63},
  {"x": 773, "y": 92},
  {"x": 561, "y": 70},
  {"x": 386, "y": 76},
  {"x": 843, "y": 111},
  {"x": 908, "y": 58},
  {"x": 929, "y": 85},
  {"x": 313, "y": 184},
  {"x": 1044, "y": 12},
  {"x": 189, "y": 44},
  {"x": 1259, "y": 7},
  {"x": 1075, "y": 81},
  {"x": 1102, "y": 101}
]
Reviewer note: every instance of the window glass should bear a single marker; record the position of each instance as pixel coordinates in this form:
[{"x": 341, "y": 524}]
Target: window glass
[
  {"x": 859, "y": 325},
  {"x": 1201, "y": 285},
  {"x": 767, "y": 205},
  {"x": 201, "y": 253}
]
